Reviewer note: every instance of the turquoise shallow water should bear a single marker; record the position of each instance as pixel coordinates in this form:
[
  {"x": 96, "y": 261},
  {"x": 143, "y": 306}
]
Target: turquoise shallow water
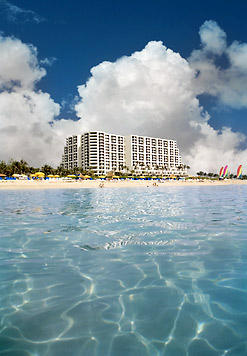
[{"x": 146, "y": 271}]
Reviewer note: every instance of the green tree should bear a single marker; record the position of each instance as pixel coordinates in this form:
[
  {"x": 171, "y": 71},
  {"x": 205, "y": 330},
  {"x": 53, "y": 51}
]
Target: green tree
[
  {"x": 24, "y": 166},
  {"x": 14, "y": 167},
  {"x": 47, "y": 169},
  {"x": 61, "y": 171},
  {"x": 3, "y": 167}
]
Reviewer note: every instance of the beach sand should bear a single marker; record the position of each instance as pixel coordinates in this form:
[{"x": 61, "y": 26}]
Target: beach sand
[{"x": 59, "y": 184}]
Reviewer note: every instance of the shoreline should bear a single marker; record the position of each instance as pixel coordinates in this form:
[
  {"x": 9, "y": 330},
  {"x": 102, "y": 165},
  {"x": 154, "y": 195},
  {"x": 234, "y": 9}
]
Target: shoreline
[{"x": 57, "y": 184}]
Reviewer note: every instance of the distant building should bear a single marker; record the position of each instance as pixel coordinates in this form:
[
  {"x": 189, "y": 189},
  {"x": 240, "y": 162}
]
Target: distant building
[
  {"x": 155, "y": 155},
  {"x": 97, "y": 151},
  {"x": 72, "y": 152},
  {"x": 102, "y": 152}
]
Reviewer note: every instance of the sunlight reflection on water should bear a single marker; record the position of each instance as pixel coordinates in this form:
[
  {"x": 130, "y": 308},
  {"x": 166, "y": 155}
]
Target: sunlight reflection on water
[{"x": 124, "y": 272}]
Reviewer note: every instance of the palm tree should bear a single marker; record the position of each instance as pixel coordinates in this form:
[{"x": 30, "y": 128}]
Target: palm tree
[
  {"x": 24, "y": 166},
  {"x": 180, "y": 168},
  {"x": 47, "y": 169},
  {"x": 14, "y": 167},
  {"x": 60, "y": 170},
  {"x": 3, "y": 167}
]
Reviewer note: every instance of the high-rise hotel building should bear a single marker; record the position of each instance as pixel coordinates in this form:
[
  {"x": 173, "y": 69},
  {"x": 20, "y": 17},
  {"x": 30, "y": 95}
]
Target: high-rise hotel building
[
  {"x": 97, "y": 151},
  {"x": 152, "y": 154},
  {"x": 72, "y": 152},
  {"x": 103, "y": 152}
]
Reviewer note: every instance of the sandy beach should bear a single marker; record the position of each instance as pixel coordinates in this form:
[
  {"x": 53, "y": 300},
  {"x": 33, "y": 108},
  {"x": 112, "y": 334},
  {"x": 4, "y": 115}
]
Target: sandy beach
[{"x": 60, "y": 184}]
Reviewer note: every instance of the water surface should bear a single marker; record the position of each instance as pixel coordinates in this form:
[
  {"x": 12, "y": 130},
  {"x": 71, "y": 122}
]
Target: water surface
[{"x": 124, "y": 272}]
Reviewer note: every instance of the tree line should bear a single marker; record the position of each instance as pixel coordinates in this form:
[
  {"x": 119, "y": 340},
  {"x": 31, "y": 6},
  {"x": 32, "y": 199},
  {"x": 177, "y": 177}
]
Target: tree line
[{"x": 22, "y": 167}]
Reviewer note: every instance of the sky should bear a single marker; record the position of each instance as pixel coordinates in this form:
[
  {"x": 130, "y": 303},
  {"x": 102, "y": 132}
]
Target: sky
[{"x": 176, "y": 70}]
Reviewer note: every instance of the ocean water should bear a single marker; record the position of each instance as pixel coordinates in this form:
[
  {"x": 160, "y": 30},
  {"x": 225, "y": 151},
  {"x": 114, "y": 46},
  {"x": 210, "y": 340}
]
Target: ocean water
[{"x": 124, "y": 272}]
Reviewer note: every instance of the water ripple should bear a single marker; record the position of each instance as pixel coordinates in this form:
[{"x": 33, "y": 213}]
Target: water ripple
[{"x": 105, "y": 272}]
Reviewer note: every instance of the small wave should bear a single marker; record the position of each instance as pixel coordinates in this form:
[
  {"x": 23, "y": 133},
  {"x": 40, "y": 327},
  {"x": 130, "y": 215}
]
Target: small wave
[{"x": 128, "y": 242}]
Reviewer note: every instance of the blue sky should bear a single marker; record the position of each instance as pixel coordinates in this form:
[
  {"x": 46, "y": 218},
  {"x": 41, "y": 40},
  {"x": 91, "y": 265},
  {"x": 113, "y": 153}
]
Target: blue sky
[
  {"x": 81, "y": 34},
  {"x": 75, "y": 36}
]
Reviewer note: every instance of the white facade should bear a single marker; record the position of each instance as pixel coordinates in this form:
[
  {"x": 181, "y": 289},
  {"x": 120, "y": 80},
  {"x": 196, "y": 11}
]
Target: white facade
[
  {"x": 153, "y": 155},
  {"x": 99, "y": 151},
  {"x": 72, "y": 152},
  {"x": 102, "y": 152}
]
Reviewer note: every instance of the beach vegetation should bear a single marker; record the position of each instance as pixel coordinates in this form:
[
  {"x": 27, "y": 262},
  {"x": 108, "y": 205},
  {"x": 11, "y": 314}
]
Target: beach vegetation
[{"x": 22, "y": 167}]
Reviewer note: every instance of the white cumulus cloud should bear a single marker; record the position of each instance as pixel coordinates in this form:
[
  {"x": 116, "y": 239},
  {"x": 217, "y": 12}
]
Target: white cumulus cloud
[
  {"x": 25, "y": 113},
  {"x": 213, "y": 38},
  {"x": 227, "y": 84},
  {"x": 151, "y": 92},
  {"x": 154, "y": 92}
]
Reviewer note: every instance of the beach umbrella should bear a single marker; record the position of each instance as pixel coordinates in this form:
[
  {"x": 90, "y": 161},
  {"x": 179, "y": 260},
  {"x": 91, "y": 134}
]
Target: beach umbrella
[
  {"x": 50, "y": 176},
  {"x": 71, "y": 176},
  {"x": 40, "y": 175},
  {"x": 102, "y": 177},
  {"x": 115, "y": 177},
  {"x": 87, "y": 177},
  {"x": 15, "y": 175},
  {"x": 2, "y": 175},
  {"x": 56, "y": 176},
  {"x": 142, "y": 177}
]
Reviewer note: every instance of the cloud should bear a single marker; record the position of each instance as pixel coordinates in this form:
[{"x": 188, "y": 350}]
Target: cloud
[
  {"x": 154, "y": 92},
  {"x": 151, "y": 92},
  {"x": 48, "y": 61},
  {"x": 26, "y": 114},
  {"x": 19, "y": 66},
  {"x": 227, "y": 84},
  {"x": 17, "y": 14},
  {"x": 213, "y": 38},
  {"x": 137, "y": 93}
]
